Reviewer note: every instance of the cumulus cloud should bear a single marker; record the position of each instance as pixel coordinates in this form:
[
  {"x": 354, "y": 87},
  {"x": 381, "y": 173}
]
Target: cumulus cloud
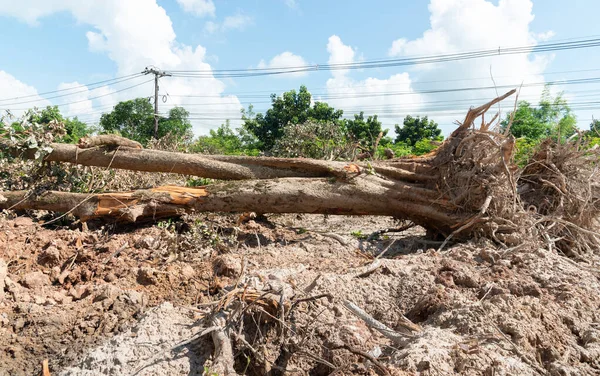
[
  {"x": 238, "y": 21},
  {"x": 199, "y": 8},
  {"x": 13, "y": 88},
  {"x": 545, "y": 36},
  {"x": 285, "y": 60},
  {"x": 370, "y": 95},
  {"x": 135, "y": 34},
  {"x": 467, "y": 25}
]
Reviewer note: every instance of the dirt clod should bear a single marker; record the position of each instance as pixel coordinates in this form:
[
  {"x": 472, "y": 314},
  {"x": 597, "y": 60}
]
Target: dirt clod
[{"x": 35, "y": 280}]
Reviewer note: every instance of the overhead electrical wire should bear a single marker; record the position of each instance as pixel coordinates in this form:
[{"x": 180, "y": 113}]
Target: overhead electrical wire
[
  {"x": 104, "y": 82},
  {"x": 384, "y": 63}
]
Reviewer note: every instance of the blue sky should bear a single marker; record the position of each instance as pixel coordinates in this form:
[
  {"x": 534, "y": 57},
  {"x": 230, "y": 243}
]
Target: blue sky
[{"x": 59, "y": 44}]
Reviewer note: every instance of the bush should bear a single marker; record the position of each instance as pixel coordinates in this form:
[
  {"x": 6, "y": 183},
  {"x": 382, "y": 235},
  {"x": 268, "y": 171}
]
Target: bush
[{"x": 313, "y": 139}]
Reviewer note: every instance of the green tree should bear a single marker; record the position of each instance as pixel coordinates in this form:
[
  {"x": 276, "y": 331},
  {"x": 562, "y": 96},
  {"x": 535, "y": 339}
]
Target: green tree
[
  {"x": 290, "y": 108},
  {"x": 595, "y": 127},
  {"x": 75, "y": 129},
  {"x": 224, "y": 140},
  {"x": 134, "y": 119},
  {"x": 416, "y": 129},
  {"x": 365, "y": 131},
  {"x": 551, "y": 118}
]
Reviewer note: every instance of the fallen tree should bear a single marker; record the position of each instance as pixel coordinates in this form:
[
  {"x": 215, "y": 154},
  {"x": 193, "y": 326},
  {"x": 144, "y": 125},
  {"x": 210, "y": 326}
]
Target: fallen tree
[{"x": 468, "y": 187}]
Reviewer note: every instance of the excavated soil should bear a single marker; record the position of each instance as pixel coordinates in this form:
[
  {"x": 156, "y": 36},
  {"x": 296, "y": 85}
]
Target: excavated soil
[{"x": 123, "y": 300}]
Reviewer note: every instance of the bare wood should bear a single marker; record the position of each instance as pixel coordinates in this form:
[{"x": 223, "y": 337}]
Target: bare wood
[
  {"x": 209, "y": 166},
  {"x": 111, "y": 140},
  {"x": 365, "y": 196}
]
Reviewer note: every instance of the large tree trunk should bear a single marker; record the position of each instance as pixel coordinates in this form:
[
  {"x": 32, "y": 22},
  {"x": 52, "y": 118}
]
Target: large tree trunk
[
  {"x": 367, "y": 195},
  {"x": 464, "y": 185}
]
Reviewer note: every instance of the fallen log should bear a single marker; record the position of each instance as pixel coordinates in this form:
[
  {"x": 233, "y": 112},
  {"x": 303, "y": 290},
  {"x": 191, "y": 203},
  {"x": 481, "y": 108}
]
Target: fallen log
[
  {"x": 451, "y": 190},
  {"x": 208, "y": 166},
  {"x": 367, "y": 195},
  {"x": 467, "y": 187}
]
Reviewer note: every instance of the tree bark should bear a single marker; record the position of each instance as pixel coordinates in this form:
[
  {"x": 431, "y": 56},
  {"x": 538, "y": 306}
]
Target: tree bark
[
  {"x": 467, "y": 185},
  {"x": 366, "y": 195},
  {"x": 211, "y": 166}
]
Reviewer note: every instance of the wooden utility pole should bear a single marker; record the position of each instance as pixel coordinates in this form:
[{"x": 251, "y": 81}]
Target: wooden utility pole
[{"x": 157, "y": 74}]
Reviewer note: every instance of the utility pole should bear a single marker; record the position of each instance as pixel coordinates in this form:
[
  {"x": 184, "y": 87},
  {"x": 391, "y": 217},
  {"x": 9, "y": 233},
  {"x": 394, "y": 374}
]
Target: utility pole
[{"x": 157, "y": 74}]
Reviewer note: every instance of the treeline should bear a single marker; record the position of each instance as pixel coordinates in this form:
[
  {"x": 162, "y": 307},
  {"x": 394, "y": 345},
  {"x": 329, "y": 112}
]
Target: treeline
[{"x": 293, "y": 127}]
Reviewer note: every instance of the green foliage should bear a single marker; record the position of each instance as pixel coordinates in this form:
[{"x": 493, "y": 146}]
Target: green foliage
[
  {"x": 290, "y": 108},
  {"x": 313, "y": 139},
  {"x": 74, "y": 128},
  {"x": 417, "y": 129},
  {"x": 400, "y": 149},
  {"x": 551, "y": 118},
  {"x": 525, "y": 147},
  {"x": 134, "y": 119},
  {"x": 364, "y": 132},
  {"x": 595, "y": 127},
  {"x": 225, "y": 141},
  {"x": 358, "y": 234},
  {"x": 424, "y": 146}
]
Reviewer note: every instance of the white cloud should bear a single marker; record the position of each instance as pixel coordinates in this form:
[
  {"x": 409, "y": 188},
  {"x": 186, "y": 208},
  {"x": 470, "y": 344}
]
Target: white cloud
[
  {"x": 339, "y": 53},
  {"x": 468, "y": 25},
  {"x": 285, "y": 60},
  {"x": 369, "y": 95},
  {"x": 397, "y": 46},
  {"x": 78, "y": 102},
  {"x": 135, "y": 34},
  {"x": 238, "y": 21},
  {"x": 545, "y": 36},
  {"x": 199, "y": 8},
  {"x": 13, "y": 88}
]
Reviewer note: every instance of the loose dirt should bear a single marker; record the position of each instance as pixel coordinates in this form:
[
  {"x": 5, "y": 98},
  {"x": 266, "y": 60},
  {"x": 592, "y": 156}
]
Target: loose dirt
[{"x": 117, "y": 300}]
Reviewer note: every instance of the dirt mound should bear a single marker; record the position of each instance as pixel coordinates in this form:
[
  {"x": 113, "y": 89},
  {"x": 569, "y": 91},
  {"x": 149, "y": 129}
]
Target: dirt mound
[{"x": 119, "y": 301}]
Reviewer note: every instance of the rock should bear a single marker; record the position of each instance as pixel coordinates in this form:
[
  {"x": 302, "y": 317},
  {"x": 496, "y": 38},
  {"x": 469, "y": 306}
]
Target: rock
[
  {"x": 134, "y": 297},
  {"x": 590, "y": 336},
  {"x": 49, "y": 256},
  {"x": 22, "y": 222},
  {"x": 19, "y": 324},
  {"x": 79, "y": 292},
  {"x": 145, "y": 242},
  {"x": 3, "y": 272},
  {"x": 146, "y": 276},
  {"x": 35, "y": 280},
  {"x": 227, "y": 265},
  {"x": 106, "y": 292},
  {"x": 61, "y": 278},
  {"x": 187, "y": 272},
  {"x": 110, "y": 277}
]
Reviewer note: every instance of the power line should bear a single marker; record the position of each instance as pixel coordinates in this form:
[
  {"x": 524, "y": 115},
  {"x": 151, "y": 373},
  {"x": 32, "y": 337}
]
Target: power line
[
  {"x": 68, "y": 94},
  {"x": 383, "y": 63},
  {"x": 89, "y": 99},
  {"x": 72, "y": 88}
]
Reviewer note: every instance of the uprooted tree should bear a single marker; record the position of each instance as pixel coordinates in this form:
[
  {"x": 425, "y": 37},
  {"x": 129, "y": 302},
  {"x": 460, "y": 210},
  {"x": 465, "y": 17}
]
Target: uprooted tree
[{"x": 468, "y": 187}]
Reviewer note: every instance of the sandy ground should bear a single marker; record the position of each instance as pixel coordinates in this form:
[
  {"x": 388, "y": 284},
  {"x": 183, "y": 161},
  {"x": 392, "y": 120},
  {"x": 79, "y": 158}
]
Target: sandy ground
[{"x": 120, "y": 300}]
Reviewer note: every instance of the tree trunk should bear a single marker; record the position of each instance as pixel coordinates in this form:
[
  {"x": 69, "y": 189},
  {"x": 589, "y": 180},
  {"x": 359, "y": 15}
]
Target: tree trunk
[
  {"x": 462, "y": 187},
  {"x": 366, "y": 195}
]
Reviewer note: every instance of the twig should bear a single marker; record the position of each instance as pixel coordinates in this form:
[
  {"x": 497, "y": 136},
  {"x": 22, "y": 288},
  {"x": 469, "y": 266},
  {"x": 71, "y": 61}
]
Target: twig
[
  {"x": 366, "y": 355},
  {"x": 45, "y": 368},
  {"x": 383, "y": 231},
  {"x": 310, "y": 299},
  {"x": 376, "y": 264},
  {"x": 398, "y": 338},
  {"x": 116, "y": 253},
  {"x": 223, "y": 363}
]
